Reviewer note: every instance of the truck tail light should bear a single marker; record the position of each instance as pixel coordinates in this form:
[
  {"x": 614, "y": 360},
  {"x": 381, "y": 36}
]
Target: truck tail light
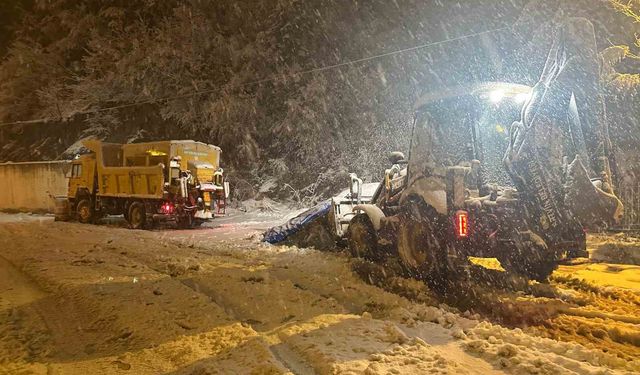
[
  {"x": 462, "y": 224},
  {"x": 167, "y": 208}
]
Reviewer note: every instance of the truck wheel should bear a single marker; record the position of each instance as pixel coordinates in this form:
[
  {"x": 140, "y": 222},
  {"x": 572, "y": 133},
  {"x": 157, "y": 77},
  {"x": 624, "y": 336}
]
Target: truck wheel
[
  {"x": 417, "y": 243},
  {"x": 137, "y": 216},
  {"x": 84, "y": 212},
  {"x": 362, "y": 238}
]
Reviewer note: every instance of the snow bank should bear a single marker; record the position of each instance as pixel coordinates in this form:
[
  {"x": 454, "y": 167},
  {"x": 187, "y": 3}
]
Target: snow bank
[{"x": 523, "y": 353}]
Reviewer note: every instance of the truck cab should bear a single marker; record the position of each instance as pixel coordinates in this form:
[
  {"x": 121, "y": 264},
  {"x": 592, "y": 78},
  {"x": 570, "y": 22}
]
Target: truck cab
[{"x": 81, "y": 182}]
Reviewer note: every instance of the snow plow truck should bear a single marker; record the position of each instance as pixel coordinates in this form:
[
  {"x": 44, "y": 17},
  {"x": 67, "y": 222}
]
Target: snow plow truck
[{"x": 165, "y": 181}]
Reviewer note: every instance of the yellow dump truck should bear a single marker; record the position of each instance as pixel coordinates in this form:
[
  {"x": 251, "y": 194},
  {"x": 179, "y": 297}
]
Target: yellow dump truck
[{"x": 179, "y": 181}]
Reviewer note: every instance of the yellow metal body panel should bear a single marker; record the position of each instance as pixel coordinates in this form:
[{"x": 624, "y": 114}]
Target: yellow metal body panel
[
  {"x": 200, "y": 158},
  {"x": 141, "y": 169},
  {"x": 152, "y": 153},
  {"x": 141, "y": 182},
  {"x": 204, "y": 174},
  {"x": 194, "y": 152},
  {"x": 116, "y": 179},
  {"x": 147, "y": 154}
]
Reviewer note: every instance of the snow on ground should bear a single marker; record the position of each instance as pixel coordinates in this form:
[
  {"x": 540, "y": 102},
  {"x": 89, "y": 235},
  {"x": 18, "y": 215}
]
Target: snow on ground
[
  {"x": 605, "y": 274},
  {"x": 79, "y": 299},
  {"x": 23, "y": 217},
  {"x": 620, "y": 248}
]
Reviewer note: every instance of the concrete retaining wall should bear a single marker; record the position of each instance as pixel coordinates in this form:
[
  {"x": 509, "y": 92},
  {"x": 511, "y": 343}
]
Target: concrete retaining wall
[{"x": 29, "y": 186}]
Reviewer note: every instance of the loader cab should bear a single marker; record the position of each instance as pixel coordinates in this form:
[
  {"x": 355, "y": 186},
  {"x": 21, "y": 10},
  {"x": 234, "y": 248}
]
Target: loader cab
[{"x": 466, "y": 127}]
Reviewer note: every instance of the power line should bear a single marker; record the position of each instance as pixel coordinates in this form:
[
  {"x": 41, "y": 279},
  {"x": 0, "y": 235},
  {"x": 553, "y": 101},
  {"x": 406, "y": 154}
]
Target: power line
[{"x": 266, "y": 80}]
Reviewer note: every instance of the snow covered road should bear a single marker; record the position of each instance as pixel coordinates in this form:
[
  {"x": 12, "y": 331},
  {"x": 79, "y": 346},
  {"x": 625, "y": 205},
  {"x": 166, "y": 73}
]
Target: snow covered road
[{"x": 87, "y": 299}]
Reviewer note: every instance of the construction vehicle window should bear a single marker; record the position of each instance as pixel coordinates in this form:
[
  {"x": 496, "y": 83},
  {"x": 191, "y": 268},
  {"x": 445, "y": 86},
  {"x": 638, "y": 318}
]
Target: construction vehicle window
[{"x": 76, "y": 170}]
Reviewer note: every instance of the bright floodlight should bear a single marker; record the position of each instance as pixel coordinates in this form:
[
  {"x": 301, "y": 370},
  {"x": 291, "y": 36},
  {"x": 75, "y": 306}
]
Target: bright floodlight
[
  {"x": 496, "y": 96},
  {"x": 522, "y": 97}
]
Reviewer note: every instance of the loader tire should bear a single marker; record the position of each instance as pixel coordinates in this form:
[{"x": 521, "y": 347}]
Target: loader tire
[
  {"x": 418, "y": 247},
  {"x": 137, "y": 216},
  {"x": 362, "y": 238},
  {"x": 84, "y": 211}
]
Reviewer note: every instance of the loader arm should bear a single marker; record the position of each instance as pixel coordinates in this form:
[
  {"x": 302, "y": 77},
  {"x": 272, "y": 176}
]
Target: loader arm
[{"x": 563, "y": 121}]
